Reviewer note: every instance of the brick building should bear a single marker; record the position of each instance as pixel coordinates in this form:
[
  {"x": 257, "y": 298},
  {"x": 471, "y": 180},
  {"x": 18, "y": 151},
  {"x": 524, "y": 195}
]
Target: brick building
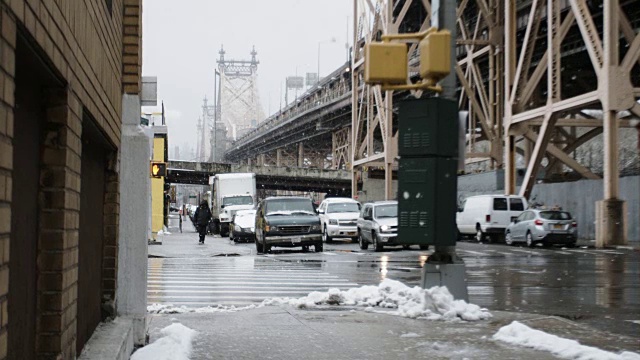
[{"x": 64, "y": 68}]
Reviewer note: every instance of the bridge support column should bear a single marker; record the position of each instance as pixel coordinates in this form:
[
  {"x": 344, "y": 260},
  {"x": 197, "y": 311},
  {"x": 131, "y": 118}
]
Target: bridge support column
[
  {"x": 278, "y": 157},
  {"x": 300, "y": 155},
  {"x": 610, "y": 212}
]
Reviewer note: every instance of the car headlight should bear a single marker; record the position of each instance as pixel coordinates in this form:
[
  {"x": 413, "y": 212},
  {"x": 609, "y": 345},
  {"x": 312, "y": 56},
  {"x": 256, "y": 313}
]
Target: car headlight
[
  {"x": 237, "y": 228},
  {"x": 384, "y": 228},
  {"x": 333, "y": 221},
  {"x": 315, "y": 227},
  {"x": 270, "y": 228}
]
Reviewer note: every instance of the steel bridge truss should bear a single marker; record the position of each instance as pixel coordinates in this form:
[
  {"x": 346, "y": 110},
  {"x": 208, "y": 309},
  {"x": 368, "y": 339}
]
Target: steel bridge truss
[
  {"x": 534, "y": 97},
  {"x": 504, "y": 52},
  {"x": 311, "y": 132},
  {"x": 240, "y": 108}
]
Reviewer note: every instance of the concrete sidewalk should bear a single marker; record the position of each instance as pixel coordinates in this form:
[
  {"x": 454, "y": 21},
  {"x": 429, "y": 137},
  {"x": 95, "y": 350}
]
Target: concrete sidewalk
[
  {"x": 185, "y": 244},
  {"x": 342, "y": 333}
]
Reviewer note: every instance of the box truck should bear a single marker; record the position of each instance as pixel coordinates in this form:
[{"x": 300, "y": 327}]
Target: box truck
[{"x": 230, "y": 193}]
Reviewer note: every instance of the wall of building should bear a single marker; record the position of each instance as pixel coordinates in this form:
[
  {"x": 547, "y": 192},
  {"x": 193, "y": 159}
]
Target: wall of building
[{"x": 92, "y": 49}]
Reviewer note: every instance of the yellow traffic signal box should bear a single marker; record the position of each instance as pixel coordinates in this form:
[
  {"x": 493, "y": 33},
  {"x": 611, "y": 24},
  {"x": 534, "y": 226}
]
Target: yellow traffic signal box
[
  {"x": 158, "y": 169},
  {"x": 435, "y": 56},
  {"x": 385, "y": 63}
]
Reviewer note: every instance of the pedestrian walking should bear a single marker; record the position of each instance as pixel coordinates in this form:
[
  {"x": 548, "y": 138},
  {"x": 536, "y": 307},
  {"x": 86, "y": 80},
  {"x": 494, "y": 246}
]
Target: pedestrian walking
[{"x": 201, "y": 219}]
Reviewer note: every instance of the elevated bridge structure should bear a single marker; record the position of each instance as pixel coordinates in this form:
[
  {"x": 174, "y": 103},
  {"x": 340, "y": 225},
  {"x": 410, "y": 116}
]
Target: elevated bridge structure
[
  {"x": 335, "y": 182},
  {"x": 537, "y": 79}
]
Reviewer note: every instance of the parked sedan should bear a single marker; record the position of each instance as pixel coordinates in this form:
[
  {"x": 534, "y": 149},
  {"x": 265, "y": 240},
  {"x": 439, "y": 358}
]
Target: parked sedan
[
  {"x": 542, "y": 226},
  {"x": 243, "y": 226},
  {"x": 378, "y": 225}
]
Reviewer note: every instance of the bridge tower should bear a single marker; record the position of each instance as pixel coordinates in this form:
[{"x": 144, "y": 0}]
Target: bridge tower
[{"x": 239, "y": 101}]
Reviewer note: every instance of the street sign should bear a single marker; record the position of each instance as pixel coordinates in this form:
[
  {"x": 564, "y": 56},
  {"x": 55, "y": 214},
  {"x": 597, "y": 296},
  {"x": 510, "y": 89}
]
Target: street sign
[
  {"x": 312, "y": 79},
  {"x": 295, "y": 82}
]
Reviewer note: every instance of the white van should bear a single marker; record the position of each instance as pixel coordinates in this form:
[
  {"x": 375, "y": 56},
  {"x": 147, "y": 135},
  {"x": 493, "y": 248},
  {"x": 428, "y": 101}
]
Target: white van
[{"x": 488, "y": 215}]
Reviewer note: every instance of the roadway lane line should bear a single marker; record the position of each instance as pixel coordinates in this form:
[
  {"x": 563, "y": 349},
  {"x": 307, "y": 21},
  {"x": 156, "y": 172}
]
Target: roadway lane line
[
  {"x": 530, "y": 252},
  {"x": 477, "y": 253},
  {"x": 610, "y": 252}
]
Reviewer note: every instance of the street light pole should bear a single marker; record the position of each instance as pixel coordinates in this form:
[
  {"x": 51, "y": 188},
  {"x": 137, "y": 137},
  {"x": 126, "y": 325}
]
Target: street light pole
[{"x": 332, "y": 40}]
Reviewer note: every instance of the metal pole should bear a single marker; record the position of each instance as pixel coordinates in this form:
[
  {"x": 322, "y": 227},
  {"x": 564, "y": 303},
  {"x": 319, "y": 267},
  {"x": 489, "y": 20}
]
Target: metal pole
[
  {"x": 443, "y": 16},
  {"x": 318, "y": 77},
  {"x": 354, "y": 102},
  {"x": 214, "y": 151}
]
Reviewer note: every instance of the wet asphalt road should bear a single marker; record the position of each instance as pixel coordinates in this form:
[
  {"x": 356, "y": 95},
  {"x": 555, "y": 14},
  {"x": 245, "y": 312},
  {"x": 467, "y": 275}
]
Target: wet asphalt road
[
  {"x": 597, "y": 287},
  {"x": 600, "y": 288}
]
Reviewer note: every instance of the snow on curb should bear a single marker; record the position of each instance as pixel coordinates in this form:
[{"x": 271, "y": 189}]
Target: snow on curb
[
  {"x": 435, "y": 303},
  {"x": 174, "y": 345},
  {"x": 517, "y": 333},
  {"x": 170, "y": 309}
]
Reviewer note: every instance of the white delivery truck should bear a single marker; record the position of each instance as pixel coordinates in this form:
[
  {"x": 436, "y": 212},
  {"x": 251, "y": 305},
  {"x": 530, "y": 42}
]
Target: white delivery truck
[{"x": 230, "y": 193}]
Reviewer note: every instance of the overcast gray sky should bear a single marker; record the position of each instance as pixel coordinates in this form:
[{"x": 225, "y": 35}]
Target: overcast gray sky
[{"x": 181, "y": 40}]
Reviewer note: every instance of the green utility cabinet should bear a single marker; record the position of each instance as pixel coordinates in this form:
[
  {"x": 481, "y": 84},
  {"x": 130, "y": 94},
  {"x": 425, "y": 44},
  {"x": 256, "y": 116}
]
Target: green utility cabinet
[
  {"x": 427, "y": 174},
  {"x": 428, "y": 128}
]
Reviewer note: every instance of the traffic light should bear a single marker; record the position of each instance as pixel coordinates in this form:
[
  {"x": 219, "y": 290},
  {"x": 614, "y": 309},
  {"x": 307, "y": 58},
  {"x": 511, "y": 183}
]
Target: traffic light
[
  {"x": 158, "y": 169},
  {"x": 386, "y": 63}
]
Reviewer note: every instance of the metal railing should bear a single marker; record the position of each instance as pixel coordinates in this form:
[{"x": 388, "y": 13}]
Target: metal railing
[{"x": 332, "y": 87}]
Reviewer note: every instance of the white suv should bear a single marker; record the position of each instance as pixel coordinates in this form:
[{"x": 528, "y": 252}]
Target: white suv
[
  {"x": 338, "y": 218},
  {"x": 488, "y": 215}
]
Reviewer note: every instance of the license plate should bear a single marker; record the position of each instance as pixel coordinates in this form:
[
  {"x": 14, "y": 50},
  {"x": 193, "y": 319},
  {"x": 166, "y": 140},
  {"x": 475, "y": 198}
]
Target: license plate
[
  {"x": 296, "y": 239},
  {"x": 351, "y": 233},
  {"x": 557, "y": 226}
]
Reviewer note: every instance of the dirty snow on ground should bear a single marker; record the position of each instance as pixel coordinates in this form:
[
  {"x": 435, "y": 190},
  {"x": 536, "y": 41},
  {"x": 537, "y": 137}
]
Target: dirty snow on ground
[
  {"x": 170, "y": 309},
  {"x": 410, "y": 335},
  {"x": 435, "y": 303},
  {"x": 175, "y": 344},
  {"x": 517, "y": 333}
]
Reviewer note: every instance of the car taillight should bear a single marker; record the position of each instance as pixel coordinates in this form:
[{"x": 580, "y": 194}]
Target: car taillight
[
  {"x": 538, "y": 222},
  {"x": 574, "y": 224},
  {"x": 487, "y": 218}
]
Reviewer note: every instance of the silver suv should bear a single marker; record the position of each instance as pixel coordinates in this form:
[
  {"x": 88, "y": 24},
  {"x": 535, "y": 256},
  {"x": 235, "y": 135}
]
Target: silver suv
[
  {"x": 378, "y": 225},
  {"x": 338, "y": 217}
]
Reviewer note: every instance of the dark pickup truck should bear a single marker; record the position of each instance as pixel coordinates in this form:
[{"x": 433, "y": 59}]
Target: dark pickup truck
[{"x": 287, "y": 222}]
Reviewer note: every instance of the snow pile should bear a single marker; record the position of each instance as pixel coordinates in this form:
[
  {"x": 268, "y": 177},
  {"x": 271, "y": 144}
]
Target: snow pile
[
  {"x": 436, "y": 303},
  {"x": 170, "y": 309},
  {"x": 174, "y": 345},
  {"x": 517, "y": 333}
]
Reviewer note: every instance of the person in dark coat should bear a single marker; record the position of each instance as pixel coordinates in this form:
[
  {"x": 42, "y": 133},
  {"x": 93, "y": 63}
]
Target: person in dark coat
[{"x": 201, "y": 219}]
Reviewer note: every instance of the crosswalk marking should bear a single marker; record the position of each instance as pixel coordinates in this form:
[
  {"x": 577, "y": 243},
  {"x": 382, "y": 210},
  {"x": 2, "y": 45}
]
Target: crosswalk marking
[{"x": 223, "y": 281}]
